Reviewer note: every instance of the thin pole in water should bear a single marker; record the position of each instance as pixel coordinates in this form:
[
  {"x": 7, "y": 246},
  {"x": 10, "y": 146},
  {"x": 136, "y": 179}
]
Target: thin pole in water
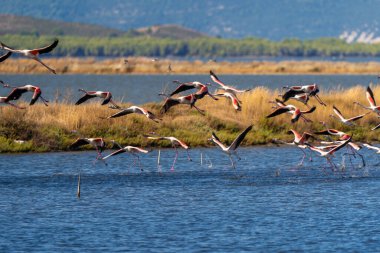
[
  {"x": 159, "y": 156},
  {"x": 201, "y": 158},
  {"x": 78, "y": 189}
]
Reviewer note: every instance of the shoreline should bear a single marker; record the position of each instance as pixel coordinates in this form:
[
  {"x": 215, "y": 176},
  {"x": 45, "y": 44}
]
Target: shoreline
[{"x": 149, "y": 66}]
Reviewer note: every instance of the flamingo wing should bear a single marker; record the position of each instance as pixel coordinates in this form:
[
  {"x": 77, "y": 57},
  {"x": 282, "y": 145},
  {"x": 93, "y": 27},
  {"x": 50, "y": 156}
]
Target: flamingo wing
[
  {"x": 36, "y": 95},
  {"x": 356, "y": 117},
  {"x": 5, "y": 56},
  {"x": 331, "y": 151},
  {"x": 290, "y": 93},
  {"x": 216, "y": 140},
  {"x": 48, "y": 48},
  {"x": 235, "y": 144},
  {"x": 337, "y": 112},
  {"x": 16, "y": 94},
  {"x": 278, "y": 111},
  {"x": 84, "y": 99},
  {"x": 79, "y": 142},
  {"x": 121, "y": 113},
  {"x": 216, "y": 79},
  {"x": 169, "y": 102},
  {"x": 370, "y": 97},
  {"x": 120, "y": 151},
  {"x": 182, "y": 87},
  {"x": 107, "y": 99},
  {"x": 139, "y": 149}
]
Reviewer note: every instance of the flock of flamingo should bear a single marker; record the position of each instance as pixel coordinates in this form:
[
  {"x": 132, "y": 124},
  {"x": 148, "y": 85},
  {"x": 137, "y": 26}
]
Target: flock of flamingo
[{"x": 299, "y": 93}]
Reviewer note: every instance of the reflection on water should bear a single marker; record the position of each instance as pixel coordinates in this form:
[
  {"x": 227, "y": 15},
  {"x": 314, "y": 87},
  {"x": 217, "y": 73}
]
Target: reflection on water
[{"x": 266, "y": 204}]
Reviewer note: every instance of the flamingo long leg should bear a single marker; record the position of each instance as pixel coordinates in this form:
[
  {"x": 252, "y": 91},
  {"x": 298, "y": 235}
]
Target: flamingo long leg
[
  {"x": 199, "y": 110},
  {"x": 175, "y": 159},
  {"x": 188, "y": 156},
  {"x": 303, "y": 158},
  {"x": 46, "y": 66},
  {"x": 319, "y": 100},
  {"x": 232, "y": 161}
]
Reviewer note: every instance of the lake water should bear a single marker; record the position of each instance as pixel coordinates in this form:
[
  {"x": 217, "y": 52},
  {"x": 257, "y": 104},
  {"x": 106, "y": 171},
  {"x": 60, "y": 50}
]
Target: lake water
[
  {"x": 266, "y": 205},
  {"x": 139, "y": 89}
]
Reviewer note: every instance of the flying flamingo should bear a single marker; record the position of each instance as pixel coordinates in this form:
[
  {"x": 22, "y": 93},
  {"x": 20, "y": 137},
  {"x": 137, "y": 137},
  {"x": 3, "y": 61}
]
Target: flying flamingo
[
  {"x": 311, "y": 90},
  {"x": 303, "y": 98},
  {"x": 372, "y": 103},
  {"x": 175, "y": 143},
  {"x": 5, "y": 56},
  {"x": 189, "y": 100},
  {"x": 130, "y": 149},
  {"x": 33, "y": 53},
  {"x": 348, "y": 122},
  {"x": 98, "y": 143},
  {"x": 330, "y": 152},
  {"x": 106, "y": 95},
  {"x": 133, "y": 109},
  {"x": 231, "y": 150},
  {"x": 18, "y": 91},
  {"x": 299, "y": 141},
  {"x": 234, "y": 100},
  {"x": 291, "y": 109},
  {"x": 224, "y": 86},
  {"x": 202, "y": 89}
]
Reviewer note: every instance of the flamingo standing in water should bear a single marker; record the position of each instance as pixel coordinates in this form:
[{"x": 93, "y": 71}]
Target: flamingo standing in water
[
  {"x": 189, "y": 100},
  {"x": 130, "y": 149},
  {"x": 18, "y": 91},
  {"x": 106, "y": 95},
  {"x": 33, "y": 53},
  {"x": 98, "y": 143},
  {"x": 231, "y": 150},
  {"x": 234, "y": 100},
  {"x": 175, "y": 143},
  {"x": 5, "y": 56},
  {"x": 348, "y": 122},
  {"x": 224, "y": 86},
  {"x": 291, "y": 109},
  {"x": 133, "y": 109},
  {"x": 311, "y": 90}
]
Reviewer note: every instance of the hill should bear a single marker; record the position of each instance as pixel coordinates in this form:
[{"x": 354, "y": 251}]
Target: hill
[{"x": 271, "y": 19}]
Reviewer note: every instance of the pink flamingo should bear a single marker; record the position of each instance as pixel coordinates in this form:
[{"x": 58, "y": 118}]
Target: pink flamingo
[{"x": 18, "y": 91}]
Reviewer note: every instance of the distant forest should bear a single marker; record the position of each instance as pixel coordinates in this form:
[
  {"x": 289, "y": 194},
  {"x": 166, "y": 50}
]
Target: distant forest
[{"x": 130, "y": 45}]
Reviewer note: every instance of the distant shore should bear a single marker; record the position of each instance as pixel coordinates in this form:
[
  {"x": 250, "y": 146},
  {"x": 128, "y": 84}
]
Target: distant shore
[{"x": 142, "y": 65}]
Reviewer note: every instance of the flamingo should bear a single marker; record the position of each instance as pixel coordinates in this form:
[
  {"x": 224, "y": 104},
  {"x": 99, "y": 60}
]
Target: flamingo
[
  {"x": 224, "y": 86},
  {"x": 175, "y": 143},
  {"x": 327, "y": 154},
  {"x": 299, "y": 141},
  {"x": 189, "y": 100},
  {"x": 18, "y": 91},
  {"x": 348, "y": 122},
  {"x": 303, "y": 98},
  {"x": 106, "y": 95},
  {"x": 231, "y": 150},
  {"x": 133, "y": 109},
  {"x": 98, "y": 143},
  {"x": 371, "y": 100},
  {"x": 311, "y": 90},
  {"x": 234, "y": 100},
  {"x": 291, "y": 109},
  {"x": 5, "y": 100},
  {"x": 5, "y": 56},
  {"x": 372, "y": 147},
  {"x": 202, "y": 89},
  {"x": 33, "y": 53},
  {"x": 130, "y": 149}
]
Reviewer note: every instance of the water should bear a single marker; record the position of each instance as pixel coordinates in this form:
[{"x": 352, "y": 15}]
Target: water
[
  {"x": 139, "y": 89},
  {"x": 266, "y": 204}
]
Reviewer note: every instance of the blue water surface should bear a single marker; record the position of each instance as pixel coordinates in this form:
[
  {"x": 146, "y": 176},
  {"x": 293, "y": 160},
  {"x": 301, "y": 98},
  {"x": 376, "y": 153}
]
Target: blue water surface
[{"x": 267, "y": 203}]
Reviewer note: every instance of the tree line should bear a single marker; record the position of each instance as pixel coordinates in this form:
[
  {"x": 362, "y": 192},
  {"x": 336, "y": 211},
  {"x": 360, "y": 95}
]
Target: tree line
[{"x": 124, "y": 46}]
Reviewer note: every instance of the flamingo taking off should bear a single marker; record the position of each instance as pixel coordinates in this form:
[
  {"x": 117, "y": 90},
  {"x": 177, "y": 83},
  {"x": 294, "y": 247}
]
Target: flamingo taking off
[
  {"x": 106, "y": 95},
  {"x": 5, "y": 56},
  {"x": 33, "y": 53},
  {"x": 133, "y": 109},
  {"x": 175, "y": 143},
  {"x": 348, "y": 122},
  {"x": 224, "y": 86},
  {"x": 98, "y": 143},
  {"x": 188, "y": 100},
  {"x": 18, "y": 91},
  {"x": 130, "y": 149},
  {"x": 311, "y": 90},
  {"x": 234, "y": 100},
  {"x": 371, "y": 100},
  {"x": 231, "y": 150},
  {"x": 290, "y": 109}
]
